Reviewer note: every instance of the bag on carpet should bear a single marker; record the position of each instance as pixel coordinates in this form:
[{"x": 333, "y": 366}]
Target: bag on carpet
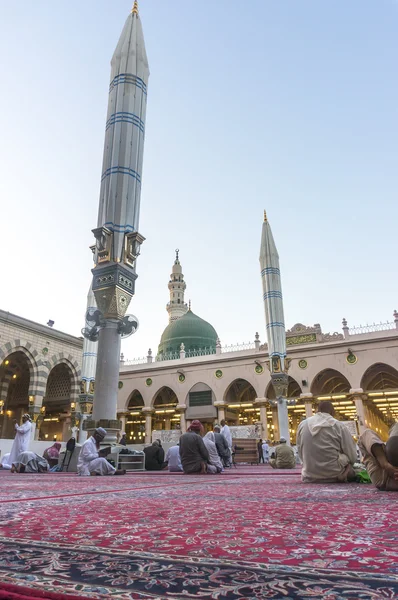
[{"x": 363, "y": 477}]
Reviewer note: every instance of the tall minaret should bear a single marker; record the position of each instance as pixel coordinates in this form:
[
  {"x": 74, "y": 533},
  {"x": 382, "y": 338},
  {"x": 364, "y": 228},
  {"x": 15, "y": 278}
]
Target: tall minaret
[
  {"x": 117, "y": 238},
  {"x": 177, "y": 286},
  {"x": 275, "y": 321}
]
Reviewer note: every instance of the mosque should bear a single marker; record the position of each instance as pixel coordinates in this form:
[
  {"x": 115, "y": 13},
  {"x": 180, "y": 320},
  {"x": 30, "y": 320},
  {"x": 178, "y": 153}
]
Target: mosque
[{"x": 192, "y": 374}]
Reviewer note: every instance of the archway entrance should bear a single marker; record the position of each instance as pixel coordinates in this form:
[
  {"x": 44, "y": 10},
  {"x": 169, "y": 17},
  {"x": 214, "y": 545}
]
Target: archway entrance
[
  {"x": 334, "y": 386},
  {"x": 380, "y": 382},
  {"x": 135, "y": 423},
  {"x": 165, "y": 416},
  {"x": 200, "y": 405},
  {"x": 14, "y": 387},
  {"x": 240, "y": 397},
  {"x": 57, "y": 405}
]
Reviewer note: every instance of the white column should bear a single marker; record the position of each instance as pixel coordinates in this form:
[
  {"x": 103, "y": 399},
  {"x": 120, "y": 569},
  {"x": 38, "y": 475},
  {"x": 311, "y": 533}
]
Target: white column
[
  {"x": 261, "y": 403},
  {"x": 283, "y": 419},
  {"x": 357, "y": 396},
  {"x": 181, "y": 408},
  {"x": 147, "y": 411},
  {"x": 107, "y": 377},
  {"x": 307, "y": 399},
  {"x": 220, "y": 405}
]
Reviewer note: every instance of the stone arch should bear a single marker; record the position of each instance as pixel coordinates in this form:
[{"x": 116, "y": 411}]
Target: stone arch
[
  {"x": 135, "y": 418},
  {"x": 379, "y": 376},
  {"x": 164, "y": 403},
  {"x": 240, "y": 390},
  {"x": 17, "y": 384},
  {"x": 135, "y": 400},
  {"x": 200, "y": 401},
  {"x": 241, "y": 393},
  {"x": 48, "y": 365},
  {"x": 330, "y": 381},
  {"x": 293, "y": 391},
  {"x": 31, "y": 355},
  {"x": 160, "y": 390}
]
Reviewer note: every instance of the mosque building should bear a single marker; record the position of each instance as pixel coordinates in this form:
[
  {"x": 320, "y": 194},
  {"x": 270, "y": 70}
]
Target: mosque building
[{"x": 194, "y": 376}]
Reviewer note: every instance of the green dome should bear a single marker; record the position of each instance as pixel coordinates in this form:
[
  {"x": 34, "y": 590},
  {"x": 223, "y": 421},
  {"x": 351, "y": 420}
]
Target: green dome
[{"x": 190, "y": 330}]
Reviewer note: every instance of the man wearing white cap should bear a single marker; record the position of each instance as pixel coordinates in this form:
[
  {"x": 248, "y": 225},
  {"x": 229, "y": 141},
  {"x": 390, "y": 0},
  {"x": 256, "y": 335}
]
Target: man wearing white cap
[
  {"x": 21, "y": 442},
  {"x": 284, "y": 456},
  {"x": 90, "y": 462}
]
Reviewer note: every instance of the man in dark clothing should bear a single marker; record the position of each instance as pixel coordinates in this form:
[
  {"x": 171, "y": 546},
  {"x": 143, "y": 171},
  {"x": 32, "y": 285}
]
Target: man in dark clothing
[
  {"x": 154, "y": 457},
  {"x": 222, "y": 446},
  {"x": 193, "y": 452}
]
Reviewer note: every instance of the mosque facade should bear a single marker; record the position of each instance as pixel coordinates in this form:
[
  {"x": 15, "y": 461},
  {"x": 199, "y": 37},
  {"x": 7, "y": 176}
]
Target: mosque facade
[{"x": 194, "y": 377}]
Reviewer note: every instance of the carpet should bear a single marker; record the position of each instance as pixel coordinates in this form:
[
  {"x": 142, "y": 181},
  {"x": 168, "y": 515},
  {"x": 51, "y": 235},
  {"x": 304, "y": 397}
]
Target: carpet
[{"x": 252, "y": 533}]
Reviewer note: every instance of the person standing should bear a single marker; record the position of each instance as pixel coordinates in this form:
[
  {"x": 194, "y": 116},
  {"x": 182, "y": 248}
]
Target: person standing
[
  {"x": 21, "y": 441},
  {"x": 266, "y": 451},
  {"x": 226, "y": 432},
  {"x": 260, "y": 451}
]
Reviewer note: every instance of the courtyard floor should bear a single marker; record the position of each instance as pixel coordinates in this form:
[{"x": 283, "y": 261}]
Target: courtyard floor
[{"x": 250, "y": 533}]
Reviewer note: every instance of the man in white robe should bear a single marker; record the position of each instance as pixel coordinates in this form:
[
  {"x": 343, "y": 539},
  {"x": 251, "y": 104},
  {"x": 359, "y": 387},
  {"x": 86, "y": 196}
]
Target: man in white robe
[
  {"x": 326, "y": 448},
  {"x": 21, "y": 441},
  {"x": 90, "y": 462},
  {"x": 226, "y": 432}
]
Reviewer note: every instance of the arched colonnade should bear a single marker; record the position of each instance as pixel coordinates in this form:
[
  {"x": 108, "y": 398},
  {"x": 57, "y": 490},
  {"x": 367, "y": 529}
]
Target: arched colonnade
[
  {"x": 374, "y": 404},
  {"x": 46, "y": 387}
]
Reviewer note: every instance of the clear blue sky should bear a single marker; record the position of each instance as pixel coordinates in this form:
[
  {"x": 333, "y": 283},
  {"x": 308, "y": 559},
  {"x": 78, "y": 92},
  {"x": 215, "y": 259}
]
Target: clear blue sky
[{"x": 289, "y": 106}]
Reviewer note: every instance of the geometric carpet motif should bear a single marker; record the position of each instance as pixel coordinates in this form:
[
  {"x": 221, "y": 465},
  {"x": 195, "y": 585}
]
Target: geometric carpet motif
[{"x": 251, "y": 533}]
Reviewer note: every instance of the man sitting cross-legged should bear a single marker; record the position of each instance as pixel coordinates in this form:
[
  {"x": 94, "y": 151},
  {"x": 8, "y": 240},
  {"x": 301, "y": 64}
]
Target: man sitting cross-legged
[
  {"x": 326, "y": 448},
  {"x": 284, "y": 456},
  {"x": 193, "y": 452},
  {"x": 90, "y": 460},
  {"x": 381, "y": 459}
]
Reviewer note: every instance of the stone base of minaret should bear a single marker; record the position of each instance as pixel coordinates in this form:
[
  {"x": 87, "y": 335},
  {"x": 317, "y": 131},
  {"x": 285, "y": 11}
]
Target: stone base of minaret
[{"x": 280, "y": 381}]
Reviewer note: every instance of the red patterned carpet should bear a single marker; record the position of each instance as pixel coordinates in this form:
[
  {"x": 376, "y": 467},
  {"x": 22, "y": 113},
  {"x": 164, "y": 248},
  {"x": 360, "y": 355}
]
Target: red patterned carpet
[{"x": 251, "y": 533}]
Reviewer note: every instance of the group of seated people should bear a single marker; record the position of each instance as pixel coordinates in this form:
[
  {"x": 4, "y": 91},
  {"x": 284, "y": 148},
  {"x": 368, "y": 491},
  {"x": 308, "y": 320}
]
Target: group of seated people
[
  {"x": 30, "y": 462},
  {"x": 194, "y": 453}
]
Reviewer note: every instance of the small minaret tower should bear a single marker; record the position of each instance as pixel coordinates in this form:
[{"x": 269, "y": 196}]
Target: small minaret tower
[{"x": 176, "y": 307}]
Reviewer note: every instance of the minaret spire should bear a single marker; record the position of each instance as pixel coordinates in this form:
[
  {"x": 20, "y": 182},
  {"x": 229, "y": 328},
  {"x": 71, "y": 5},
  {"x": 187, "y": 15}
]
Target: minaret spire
[
  {"x": 275, "y": 322},
  {"x": 117, "y": 239},
  {"x": 177, "y": 286}
]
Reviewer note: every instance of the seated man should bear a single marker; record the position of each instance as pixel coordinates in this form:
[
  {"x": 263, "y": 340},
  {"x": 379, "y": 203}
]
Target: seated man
[
  {"x": 222, "y": 446},
  {"x": 90, "y": 460},
  {"x": 325, "y": 447},
  {"x": 173, "y": 459},
  {"x": 193, "y": 452},
  {"x": 381, "y": 460},
  {"x": 284, "y": 456},
  {"x": 154, "y": 457}
]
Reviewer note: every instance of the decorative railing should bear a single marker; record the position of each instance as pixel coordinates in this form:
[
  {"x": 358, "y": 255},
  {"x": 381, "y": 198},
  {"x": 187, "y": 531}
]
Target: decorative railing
[
  {"x": 168, "y": 356},
  {"x": 372, "y": 328},
  {"x": 200, "y": 352},
  {"x": 135, "y": 361},
  {"x": 239, "y": 347}
]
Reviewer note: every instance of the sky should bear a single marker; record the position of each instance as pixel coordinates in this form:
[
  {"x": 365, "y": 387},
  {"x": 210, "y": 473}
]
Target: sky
[{"x": 286, "y": 106}]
